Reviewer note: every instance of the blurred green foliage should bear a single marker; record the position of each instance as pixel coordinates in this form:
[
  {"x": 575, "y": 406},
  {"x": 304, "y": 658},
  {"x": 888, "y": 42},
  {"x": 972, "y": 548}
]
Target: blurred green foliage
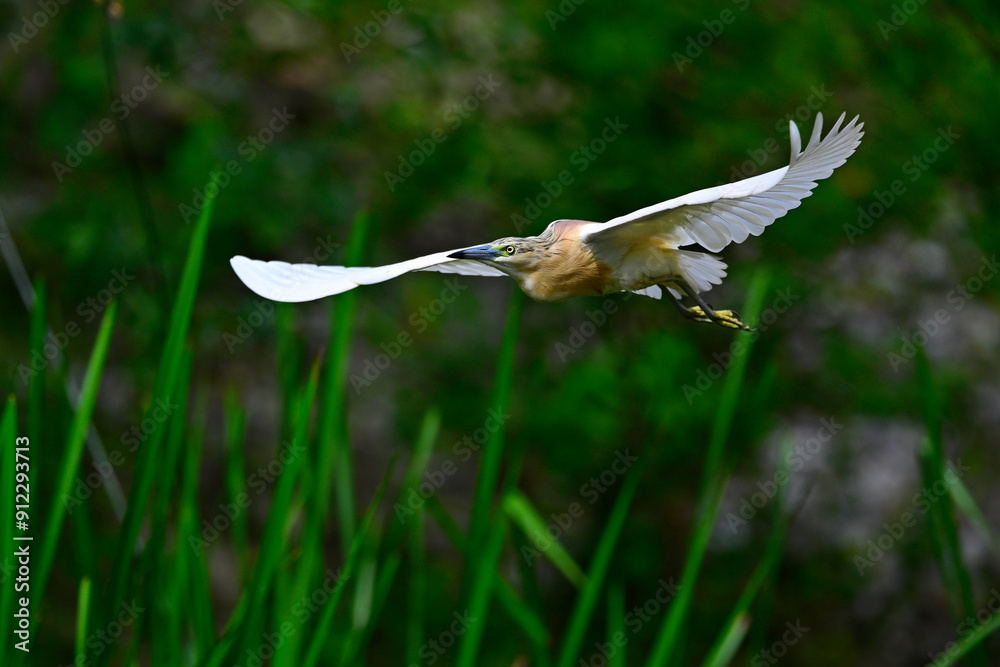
[{"x": 704, "y": 90}]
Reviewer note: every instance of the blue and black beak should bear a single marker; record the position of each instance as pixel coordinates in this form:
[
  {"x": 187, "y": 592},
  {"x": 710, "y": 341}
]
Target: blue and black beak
[{"x": 485, "y": 251}]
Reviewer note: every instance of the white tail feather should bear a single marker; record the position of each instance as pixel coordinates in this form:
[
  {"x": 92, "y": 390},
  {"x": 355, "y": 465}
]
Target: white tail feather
[{"x": 700, "y": 269}]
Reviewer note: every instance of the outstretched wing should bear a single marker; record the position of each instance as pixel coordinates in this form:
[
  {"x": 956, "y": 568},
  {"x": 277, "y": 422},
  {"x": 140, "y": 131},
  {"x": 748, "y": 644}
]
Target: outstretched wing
[
  {"x": 281, "y": 281},
  {"x": 715, "y": 217}
]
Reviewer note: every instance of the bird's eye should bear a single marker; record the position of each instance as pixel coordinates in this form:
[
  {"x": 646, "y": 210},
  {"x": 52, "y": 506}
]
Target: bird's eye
[{"x": 510, "y": 250}]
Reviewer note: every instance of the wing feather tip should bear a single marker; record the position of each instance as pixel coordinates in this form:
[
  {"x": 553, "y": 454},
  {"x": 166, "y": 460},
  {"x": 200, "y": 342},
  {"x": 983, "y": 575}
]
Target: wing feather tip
[{"x": 261, "y": 279}]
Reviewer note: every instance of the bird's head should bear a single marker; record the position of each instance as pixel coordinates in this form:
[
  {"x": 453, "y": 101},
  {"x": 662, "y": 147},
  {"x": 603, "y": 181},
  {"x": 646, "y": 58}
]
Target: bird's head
[{"x": 517, "y": 257}]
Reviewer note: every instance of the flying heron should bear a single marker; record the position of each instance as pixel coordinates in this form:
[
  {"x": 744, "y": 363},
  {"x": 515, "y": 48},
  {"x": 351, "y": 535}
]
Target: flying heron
[{"x": 641, "y": 252}]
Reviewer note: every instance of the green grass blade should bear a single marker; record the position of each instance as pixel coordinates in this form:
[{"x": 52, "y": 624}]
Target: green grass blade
[
  {"x": 930, "y": 404},
  {"x": 971, "y": 641},
  {"x": 943, "y": 530},
  {"x": 36, "y": 387},
  {"x": 334, "y": 456},
  {"x": 324, "y": 626},
  {"x": 409, "y": 504},
  {"x": 202, "y": 617},
  {"x": 723, "y": 650},
  {"x": 383, "y": 586},
  {"x": 959, "y": 492},
  {"x": 164, "y": 621},
  {"x": 363, "y": 609},
  {"x": 193, "y": 590},
  {"x": 616, "y": 622},
  {"x": 492, "y": 453},
  {"x": 180, "y": 568},
  {"x": 523, "y": 513},
  {"x": 289, "y": 349},
  {"x": 300, "y": 579},
  {"x": 332, "y": 466},
  {"x": 85, "y": 543},
  {"x": 729, "y": 641},
  {"x": 713, "y": 485},
  {"x": 82, "y": 616},
  {"x": 274, "y": 539},
  {"x": 364, "y": 596},
  {"x": 73, "y": 452},
  {"x": 527, "y": 613},
  {"x": 166, "y": 378},
  {"x": 943, "y": 533},
  {"x": 429, "y": 430},
  {"x": 485, "y": 577},
  {"x": 587, "y": 600},
  {"x": 482, "y": 590},
  {"x": 236, "y": 476},
  {"x": 8, "y": 431},
  {"x": 527, "y": 619},
  {"x": 733, "y": 385},
  {"x": 452, "y": 531},
  {"x": 418, "y": 576},
  {"x": 964, "y": 501}
]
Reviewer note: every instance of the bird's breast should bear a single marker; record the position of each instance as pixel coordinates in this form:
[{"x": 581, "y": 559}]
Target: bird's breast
[{"x": 567, "y": 279}]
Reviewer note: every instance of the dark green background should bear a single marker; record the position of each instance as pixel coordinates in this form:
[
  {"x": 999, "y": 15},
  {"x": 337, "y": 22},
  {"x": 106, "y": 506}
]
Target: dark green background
[{"x": 690, "y": 124}]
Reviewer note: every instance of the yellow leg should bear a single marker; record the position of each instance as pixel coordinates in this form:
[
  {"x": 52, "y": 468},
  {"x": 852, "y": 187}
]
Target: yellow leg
[{"x": 703, "y": 312}]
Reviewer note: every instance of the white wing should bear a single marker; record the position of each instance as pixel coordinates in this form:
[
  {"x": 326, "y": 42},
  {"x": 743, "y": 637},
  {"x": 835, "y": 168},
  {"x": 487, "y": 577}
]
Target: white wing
[
  {"x": 715, "y": 217},
  {"x": 281, "y": 281}
]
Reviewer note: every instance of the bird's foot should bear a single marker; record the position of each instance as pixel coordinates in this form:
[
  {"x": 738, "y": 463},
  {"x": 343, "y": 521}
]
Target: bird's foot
[
  {"x": 704, "y": 312},
  {"x": 695, "y": 313},
  {"x": 732, "y": 319},
  {"x": 724, "y": 318}
]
